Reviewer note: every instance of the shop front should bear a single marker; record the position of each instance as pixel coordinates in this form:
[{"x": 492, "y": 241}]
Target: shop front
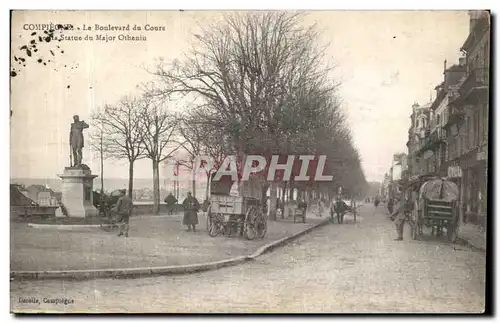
[{"x": 475, "y": 187}]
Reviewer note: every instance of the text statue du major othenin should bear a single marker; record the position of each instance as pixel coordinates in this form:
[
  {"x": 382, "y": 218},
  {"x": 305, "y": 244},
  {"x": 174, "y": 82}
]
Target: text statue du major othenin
[{"x": 76, "y": 140}]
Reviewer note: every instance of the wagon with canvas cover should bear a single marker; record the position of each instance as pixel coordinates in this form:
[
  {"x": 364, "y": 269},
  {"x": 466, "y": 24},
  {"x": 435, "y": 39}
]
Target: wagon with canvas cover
[
  {"x": 236, "y": 214},
  {"x": 437, "y": 208}
]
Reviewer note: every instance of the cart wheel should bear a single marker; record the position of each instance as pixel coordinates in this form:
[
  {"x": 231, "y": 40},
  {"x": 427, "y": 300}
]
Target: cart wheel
[
  {"x": 414, "y": 225},
  {"x": 250, "y": 218},
  {"x": 213, "y": 227}
]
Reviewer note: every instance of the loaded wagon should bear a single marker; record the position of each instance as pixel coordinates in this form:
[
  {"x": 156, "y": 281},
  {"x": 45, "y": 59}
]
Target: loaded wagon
[
  {"x": 436, "y": 208},
  {"x": 236, "y": 214}
]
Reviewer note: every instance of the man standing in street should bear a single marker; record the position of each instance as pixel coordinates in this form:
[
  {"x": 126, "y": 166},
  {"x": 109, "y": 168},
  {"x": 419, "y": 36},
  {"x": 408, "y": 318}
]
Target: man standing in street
[
  {"x": 402, "y": 209},
  {"x": 170, "y": 200},
  {"x": 191, "y": 207},
  {"x": 390, "y": 205},
  {"x": 123, "y": 209}
]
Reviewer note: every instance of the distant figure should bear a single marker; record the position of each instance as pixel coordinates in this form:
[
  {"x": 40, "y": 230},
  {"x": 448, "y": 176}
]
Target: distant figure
[
  {"x": 320, "y": 208},
  {"x": 377, "y": 201},
  {"x": 123, "y": 209},
  {"x": 390, "y": 205},
  {"x": 302, "y": 206},
  {"x": 191, "y": 207},
  {"x": 170, "y": 200},
  {"x": 400, "y": 215},
  {"x": 76, "y": 140}
]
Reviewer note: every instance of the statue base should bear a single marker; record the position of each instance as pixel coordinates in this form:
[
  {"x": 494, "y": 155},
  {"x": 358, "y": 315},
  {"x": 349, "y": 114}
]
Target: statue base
[{"x": 77, "y": 196}]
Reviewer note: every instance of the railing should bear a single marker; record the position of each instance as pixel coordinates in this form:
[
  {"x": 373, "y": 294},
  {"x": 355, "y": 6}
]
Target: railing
[{"x": 478, "y": 78}]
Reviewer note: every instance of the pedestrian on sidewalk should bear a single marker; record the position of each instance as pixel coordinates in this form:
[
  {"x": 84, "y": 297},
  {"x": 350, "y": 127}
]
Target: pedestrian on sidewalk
[
  {"x": 390, "y": 205},
  {"x": 400, "y": 216},
  {"x": 191, "y": 207},
  {"x": 123, "y": 209},
  {"x": 320, "y": 208}
]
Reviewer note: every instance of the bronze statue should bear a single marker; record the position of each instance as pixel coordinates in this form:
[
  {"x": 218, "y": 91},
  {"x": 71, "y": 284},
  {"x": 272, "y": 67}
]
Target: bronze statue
[{"x": 76, "y": 140}]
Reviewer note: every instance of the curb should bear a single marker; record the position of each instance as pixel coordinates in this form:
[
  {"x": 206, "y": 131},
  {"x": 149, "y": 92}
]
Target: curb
[
  {"x": 157, "y": 271},
  {"x": 470, "y": 244},
  {"x": 62, "y": 226},
  {"x": 275, "y": 244}
]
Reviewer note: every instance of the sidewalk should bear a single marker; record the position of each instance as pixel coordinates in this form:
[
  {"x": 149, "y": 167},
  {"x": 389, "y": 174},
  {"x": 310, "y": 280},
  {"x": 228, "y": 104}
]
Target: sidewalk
[
  {"x": 473, "y": 234},
  {"x": 154, "y": 241}
]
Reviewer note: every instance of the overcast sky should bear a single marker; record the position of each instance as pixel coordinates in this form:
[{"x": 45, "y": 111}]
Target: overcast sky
[{"x": 385, "y": 61}]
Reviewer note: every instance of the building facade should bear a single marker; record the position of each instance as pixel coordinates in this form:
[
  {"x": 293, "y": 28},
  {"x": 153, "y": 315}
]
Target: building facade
[
  {"x": 454, "y": 141},
  {"x": 417, "y": 134}
]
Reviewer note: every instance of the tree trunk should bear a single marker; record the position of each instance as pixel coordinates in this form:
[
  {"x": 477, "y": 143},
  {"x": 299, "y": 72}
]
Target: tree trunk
[
  {"x": 272, "y": 201},
  {"x": 207, "y": 191},
  {"x": 290, "y": 192},
  {"x": 130, "y": 178},
  {"x": 156, "y": 187},
  {"x": 102, "y": 167},
  {"x": 243, "y": 160},
  {"x": 264, "y": 196},
  {"x": 176, "y": 183},
  {"x": 193, "y": 186}
]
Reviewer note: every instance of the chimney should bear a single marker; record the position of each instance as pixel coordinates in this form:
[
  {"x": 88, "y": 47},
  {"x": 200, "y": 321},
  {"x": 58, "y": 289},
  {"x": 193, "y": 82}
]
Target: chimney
[{"x": 444, "y": 71}]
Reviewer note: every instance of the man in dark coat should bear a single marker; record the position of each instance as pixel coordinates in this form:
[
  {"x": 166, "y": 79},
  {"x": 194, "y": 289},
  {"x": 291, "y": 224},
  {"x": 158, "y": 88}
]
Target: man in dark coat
[
  {"x": 170, "y": 200},
  {"x": 123, "y": 209},
  {"x": 400, "y": 215},
  {"x": 191, "y": 207}
]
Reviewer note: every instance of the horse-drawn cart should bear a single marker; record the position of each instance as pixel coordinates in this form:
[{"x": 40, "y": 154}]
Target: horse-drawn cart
[
  {"x": 229, "y": 214},
  {"x": 436, "y": 208}
]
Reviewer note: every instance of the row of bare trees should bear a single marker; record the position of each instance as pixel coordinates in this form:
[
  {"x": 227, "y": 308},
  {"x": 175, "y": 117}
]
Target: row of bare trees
[
  {"x": 260, "y": 85},
  {"x": 264, "y": 87},
  {"x": 135, "y": 128}
]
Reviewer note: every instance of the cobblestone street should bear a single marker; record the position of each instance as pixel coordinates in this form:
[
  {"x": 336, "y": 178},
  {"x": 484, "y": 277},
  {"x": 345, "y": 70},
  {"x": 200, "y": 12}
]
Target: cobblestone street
[{"x": 355, "y": 267}]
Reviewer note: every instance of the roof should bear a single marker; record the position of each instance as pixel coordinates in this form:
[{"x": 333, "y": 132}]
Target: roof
[
  {"x": 19, "y": 199},
  {"x": 39, "y": 188},
  {"x": 456, "y": 68}
]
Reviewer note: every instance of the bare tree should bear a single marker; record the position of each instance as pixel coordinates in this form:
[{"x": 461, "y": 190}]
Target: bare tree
[
  {"x": 245, "y": 70},
  {"x": 158, "y": 138},
  {"x": 122, "y": 133},
  {"x": 199, "y": 137}
]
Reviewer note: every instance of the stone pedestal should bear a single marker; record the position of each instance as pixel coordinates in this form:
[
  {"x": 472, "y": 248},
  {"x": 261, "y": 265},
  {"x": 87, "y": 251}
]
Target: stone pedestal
[{"x": 77, "y": 193}]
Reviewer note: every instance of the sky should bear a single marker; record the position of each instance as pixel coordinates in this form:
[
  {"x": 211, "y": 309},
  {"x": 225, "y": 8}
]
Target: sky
[{"x": 385, "y": 61}]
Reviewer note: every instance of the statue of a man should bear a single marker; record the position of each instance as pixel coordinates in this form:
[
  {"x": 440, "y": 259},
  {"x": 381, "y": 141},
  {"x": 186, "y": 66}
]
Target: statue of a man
[{"x": 76, "y": 140}]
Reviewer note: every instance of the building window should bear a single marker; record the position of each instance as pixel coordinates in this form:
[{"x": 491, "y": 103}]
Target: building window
[
  {"x": 485, "y": 120},
  {"x": 438, "y": 119},
  {"x": 477, "y": 133}
]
